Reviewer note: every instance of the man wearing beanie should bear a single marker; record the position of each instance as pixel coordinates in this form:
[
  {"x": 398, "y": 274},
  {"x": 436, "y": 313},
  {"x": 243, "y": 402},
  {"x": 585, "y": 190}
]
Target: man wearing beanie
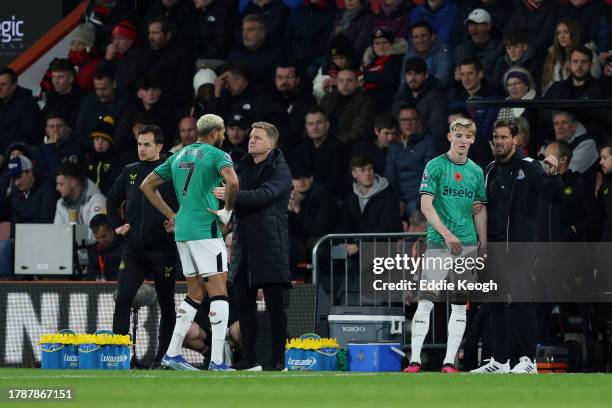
[{"x": 102, "y": 165}]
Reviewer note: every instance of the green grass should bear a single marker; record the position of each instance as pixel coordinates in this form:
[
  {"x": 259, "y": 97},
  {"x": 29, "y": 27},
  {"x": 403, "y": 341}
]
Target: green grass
[{"x": 167, "y": 389}]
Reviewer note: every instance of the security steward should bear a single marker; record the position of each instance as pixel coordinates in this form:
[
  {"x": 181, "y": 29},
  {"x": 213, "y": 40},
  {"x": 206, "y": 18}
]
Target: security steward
[{"x": 149, "y": 248}]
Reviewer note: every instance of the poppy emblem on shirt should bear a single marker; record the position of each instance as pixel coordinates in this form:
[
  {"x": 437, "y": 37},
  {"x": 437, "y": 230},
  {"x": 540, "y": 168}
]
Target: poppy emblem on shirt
[{"x": 458, "y": 177}]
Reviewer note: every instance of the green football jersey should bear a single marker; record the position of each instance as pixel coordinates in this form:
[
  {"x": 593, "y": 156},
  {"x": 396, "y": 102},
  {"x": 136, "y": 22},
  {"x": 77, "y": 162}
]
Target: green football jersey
[
  {"x": 194, "y": 172},
  {"x": 455, "y": 187}
]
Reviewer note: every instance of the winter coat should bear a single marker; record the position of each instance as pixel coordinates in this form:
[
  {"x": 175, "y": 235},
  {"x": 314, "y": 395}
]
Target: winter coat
[
  {"x": 487, "y": 54},
  {"x": 261, "y": 232},
  {"x": 212, "y": 35},
  {"x": 359, "y": 31},
  {"x": 328, "y": 162},
  {"x": 381, "y": 75},
  {"x": 538, "y": 24},
  {"x": 439, "y": 62},
  {"x": 92, "y": 110},
  {"x": 445, "y": 21},
  {"x": 432, "y": 103},
  {"x": 261, "y": 62},
  {"x": 35, "y": 207},
  {"x": 20, "y": 119},
  {"x": 53, "y": 154},
  {"x": 355, "y": 120},
  {"x": 318, "y": 215},
  {"x": 395, "y": 18},
  {"x": 532, "y": 61}
]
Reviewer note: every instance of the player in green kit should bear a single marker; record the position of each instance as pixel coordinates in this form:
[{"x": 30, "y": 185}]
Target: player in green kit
[
  {"x": 194, "y": 171},
  {"x": 450, "y": 186}
]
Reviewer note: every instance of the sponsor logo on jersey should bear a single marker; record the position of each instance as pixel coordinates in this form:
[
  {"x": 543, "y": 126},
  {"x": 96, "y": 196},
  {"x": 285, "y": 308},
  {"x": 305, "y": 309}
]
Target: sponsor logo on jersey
[{"x": 457, "y": 192}]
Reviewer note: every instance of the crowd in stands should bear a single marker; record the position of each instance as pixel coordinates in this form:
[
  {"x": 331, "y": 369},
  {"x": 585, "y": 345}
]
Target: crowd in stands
[{"x": 361, "y": 91}]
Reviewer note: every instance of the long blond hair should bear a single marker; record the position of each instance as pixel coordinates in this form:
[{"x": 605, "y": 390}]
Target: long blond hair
[{"x": 559, "y": 54}]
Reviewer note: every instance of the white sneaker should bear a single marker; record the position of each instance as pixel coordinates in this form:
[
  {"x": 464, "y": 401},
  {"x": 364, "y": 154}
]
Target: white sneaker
[
  {"x": 525, "y": 366},
  {"x": 493, "y": 367}
]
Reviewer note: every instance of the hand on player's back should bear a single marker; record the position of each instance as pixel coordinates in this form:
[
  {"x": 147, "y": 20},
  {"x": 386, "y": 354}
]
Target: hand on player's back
[{"x": 122, "y": 230}]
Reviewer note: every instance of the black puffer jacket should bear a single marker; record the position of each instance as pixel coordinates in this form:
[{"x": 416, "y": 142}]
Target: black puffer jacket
[
  {"x": 147, "y": 234},
  {"x": 261, "y": 231}
]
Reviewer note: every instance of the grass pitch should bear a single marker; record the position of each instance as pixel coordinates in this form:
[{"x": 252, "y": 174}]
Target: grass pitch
[{"x": 170, "y": 389}]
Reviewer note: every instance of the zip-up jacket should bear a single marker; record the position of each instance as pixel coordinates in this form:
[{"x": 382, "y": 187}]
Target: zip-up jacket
[
  {"x": 147, "y": 234},
  {"x": 514, "y": 191}
]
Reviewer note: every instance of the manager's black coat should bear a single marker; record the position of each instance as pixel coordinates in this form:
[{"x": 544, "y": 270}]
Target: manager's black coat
[{"x": 261, "y": 232}]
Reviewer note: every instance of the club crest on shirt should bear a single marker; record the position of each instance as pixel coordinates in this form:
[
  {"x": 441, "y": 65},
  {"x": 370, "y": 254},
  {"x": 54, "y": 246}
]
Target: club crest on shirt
[{"x": 520, "y": 175}]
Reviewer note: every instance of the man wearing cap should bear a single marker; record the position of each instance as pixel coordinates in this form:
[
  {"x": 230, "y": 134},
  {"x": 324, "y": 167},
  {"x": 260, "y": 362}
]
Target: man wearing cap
[
  {"x": 429, "y": 95},
  {"x": 101, "y": 163},
  {"x": 236, "y": 131},
  {"x": 33, "y": 198},
  {"x": 66, "y": 96},
  {"x": 426, "y": 45},
  {"x": 484, "y": 42},
  {"x": 204, "y": 91}
]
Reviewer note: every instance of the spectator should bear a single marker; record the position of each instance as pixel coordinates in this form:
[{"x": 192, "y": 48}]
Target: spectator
[
  {"x": 348, "y": 108},
  {"x": 385, "y": 131},
  {"x": 395, "y": 16},
  {"x": 78, "y": 196},
  {"x": 106, "y": 100},
  {"x": 33, "y": 198},
  {"x": 66, "y": 97},
  {"x": 340, "y": 56},
  {"x": 236, "y": 142},
  {"x": 589, "y": 14},
  {"x": 536, "y": 18},
  {"x": 274, "y": 14},
  {"x": 237, "y": 92},
  {"x": 101, "y": 163},
  {"x": 256, "y": 50},
  {"x": 308, "y": 30},
  {"x": 19, "y": 113},
  {"x": 58, "y": 143},
  {"x": 187, "y": 132},
  {"x": 523, "y": 138},
  {"x": 583, "y": 145},
  {"x": 149, "y": 101},
  {"x": 105, "y": 15},
  {"x": 295, "y": 101},
  {"x": 429, "y": 96},
  {"x": 444, "y": 16},
  {"x": 606, "y": 79},
  {"x": 169, "y": 62},
  {"x": 260, "y": 252},
  {"x": 84, "y": 56},
  {"x": 382, "y": 64},
  {"x": 426, "y": 45},
  {"x": 499, "y": 10},
  {"x": 519, "y": 54},
  {"x": 204, "y": 88},
  {"x": 211, "y": 31},
  {"x": 372, "y": 205},
  {"x": 580, "y": 83},
  {"x": 573, "y": 219},
  {"x": 355, "y": 22},
  {"x": 124, "y": 58},
  {"x": 407, "y": 157},
  {"x": 322, "y": 151},
  {"x": 484, "y": 43},
  {"x": 605, "y": 191},
  {"x": 313, "y": 213},
  {"x": 520, "y": 86},
  {"x": 179, "y": 13},
  {"x": 137, "y": 122},
  {"x": 474, "y": 86},
  {"x": 557, "y": 66},
  {"x": 104, "y": 258}
]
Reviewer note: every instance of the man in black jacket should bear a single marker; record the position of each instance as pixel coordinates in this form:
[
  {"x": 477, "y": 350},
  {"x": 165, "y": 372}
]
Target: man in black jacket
[
  {"x": 516, "y": 185},
  {"x": 260, "y": 256},
  {"x": 605, "y": 191},
  {"x": 148, "y": 246},
  {"x": 104, "y": 258}
]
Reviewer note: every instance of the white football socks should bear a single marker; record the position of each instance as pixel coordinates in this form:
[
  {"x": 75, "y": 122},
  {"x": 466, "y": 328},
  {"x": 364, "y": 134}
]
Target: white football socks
[
  {"x": 184, "y": 316},
  {"x": 456, "y": 328},
  {"x": 420, "y": 327},
  {"x": 219, "y": 314}
]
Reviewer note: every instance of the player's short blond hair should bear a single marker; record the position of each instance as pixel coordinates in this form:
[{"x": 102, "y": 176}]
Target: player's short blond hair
[
  {"x": 270, "y": 129},
  {"x": 463, "y": 123},
  {"x": 209, "y": 122}
]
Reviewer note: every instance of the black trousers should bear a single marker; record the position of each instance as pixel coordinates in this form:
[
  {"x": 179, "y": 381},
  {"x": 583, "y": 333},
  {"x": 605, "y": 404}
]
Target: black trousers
[
  {"x": 515, "y": 331},
  {"x": 133, "y": 271},
  {"x": 276, "y": 304}
]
